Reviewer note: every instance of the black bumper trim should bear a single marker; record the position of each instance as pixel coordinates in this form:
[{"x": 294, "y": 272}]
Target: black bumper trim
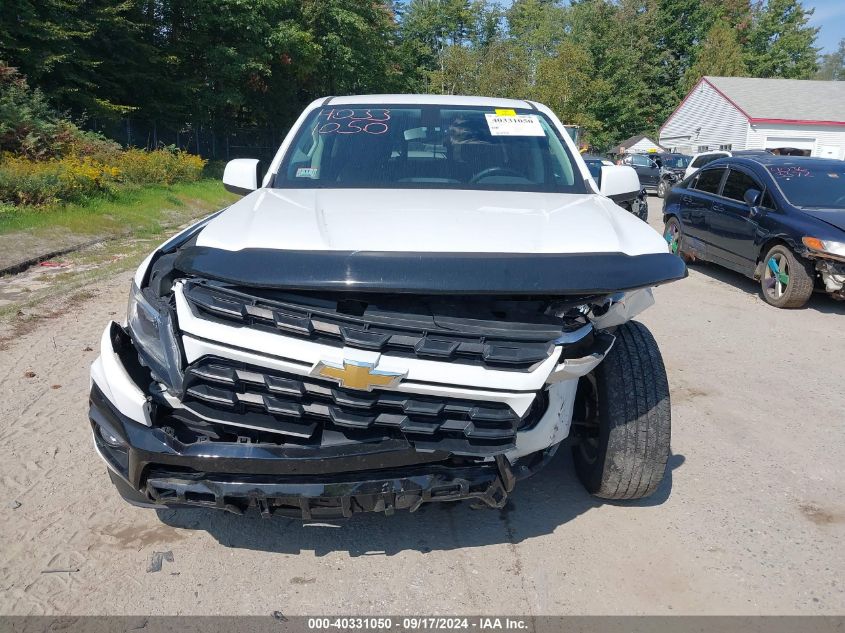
[
  {"x": 151, "y": 445},
  {"x": 334, "y": 481},
  {"x": 434, "y": 273},
  {"x": 382, "y": 492}
]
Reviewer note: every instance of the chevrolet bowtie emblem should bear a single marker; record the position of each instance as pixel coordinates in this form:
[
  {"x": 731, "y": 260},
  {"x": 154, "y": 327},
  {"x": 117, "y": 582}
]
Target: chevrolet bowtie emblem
[{"x": 358, "y": 375}]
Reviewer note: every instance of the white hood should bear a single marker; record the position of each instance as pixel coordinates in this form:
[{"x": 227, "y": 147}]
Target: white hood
[{"x": 420, "y": 220}]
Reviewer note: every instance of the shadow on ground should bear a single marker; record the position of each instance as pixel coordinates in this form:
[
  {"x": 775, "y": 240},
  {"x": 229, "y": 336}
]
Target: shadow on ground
[
  {"x": 820, "y": 301},
  {"x": 537, "y": 507}
]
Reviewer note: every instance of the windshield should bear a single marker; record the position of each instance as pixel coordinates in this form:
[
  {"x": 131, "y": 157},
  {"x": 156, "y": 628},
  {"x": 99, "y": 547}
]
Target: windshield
[
  {"x": 675, "y": 161},
  {"x": 429, "y": 147},
  {"x": 812, "y": 185}
]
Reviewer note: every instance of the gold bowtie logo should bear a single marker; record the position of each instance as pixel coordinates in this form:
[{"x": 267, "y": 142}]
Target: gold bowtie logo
[{"x": 357, "y": 375}]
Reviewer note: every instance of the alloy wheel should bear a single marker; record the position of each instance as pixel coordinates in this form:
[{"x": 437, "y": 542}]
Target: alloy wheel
[
  {"x": 673, "y": 236},
  {"x": 776, "y": 276}
]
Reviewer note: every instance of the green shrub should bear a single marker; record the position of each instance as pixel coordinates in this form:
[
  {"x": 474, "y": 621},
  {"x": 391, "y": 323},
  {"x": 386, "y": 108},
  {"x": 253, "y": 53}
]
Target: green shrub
[
  {"x": 30, "y": 127},
  {"x": 44, "y": 158},
  {"x": 24, "y": 181},
  {"x": 163, "y": 166}
]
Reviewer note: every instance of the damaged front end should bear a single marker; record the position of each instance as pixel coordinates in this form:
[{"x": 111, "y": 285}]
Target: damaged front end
[
  {"x": 231, "y": 388},
  {"x": 832, "y": 275}
]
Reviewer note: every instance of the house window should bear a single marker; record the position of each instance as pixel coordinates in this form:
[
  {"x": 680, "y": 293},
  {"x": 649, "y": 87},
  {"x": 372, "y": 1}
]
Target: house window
[
  {"x": 726, "y": 147},
  {"x": 703, "y": 148}
]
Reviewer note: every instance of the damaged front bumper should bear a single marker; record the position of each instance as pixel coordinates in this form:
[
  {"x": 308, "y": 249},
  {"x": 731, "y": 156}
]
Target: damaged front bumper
[
  {"x": 832, "y": 274},
  {"x": 151, "y": 468},
  {"x": 153, "y": 465}
]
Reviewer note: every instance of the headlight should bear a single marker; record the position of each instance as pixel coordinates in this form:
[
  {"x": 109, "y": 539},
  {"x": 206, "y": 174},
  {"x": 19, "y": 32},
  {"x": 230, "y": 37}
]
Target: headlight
[
  {"x": 153, "y": 334},
  {"x": 837, "y": 249}
]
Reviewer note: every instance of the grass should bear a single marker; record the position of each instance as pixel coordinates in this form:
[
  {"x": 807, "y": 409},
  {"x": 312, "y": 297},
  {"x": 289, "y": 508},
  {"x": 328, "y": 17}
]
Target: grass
[
  {"x": 140, "y": 211},
  {"x": 134, "y": 223}
]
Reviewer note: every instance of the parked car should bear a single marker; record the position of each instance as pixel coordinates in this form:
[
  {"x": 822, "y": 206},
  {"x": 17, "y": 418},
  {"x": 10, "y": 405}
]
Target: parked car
[
  {"x": 703, "y": 158},
  {"x": 646, "y": 167},
  {"x": 779, "y": 220},
  {"x": 635, "y": 201},
  {"x": 672, "y": 168},
  {"x": 421, "y": 299}
]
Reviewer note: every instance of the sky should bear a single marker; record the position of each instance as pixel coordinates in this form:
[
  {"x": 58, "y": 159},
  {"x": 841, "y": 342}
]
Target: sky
[{"x": 830, "y": 16}]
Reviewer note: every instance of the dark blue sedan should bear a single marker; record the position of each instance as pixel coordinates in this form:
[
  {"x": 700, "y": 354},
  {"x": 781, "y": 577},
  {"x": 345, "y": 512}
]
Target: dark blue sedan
[{"x": 776, "y": 219}]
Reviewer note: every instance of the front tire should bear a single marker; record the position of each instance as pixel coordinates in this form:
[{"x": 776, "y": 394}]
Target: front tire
[
  {"x": 662, "y": 189},
  {"x": 624, "y": 419},
  {"x": 674, "y": 236},
  {"x": 787, "y": 281}
]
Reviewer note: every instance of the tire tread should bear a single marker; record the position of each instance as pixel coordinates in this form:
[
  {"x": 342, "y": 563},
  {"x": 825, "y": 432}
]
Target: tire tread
[{"x": 635, "y": 410}]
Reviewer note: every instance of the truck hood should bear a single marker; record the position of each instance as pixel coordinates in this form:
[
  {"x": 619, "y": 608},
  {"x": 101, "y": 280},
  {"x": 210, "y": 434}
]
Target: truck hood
[
  {"x": 414, "y": 220},
  {"x": 421, "y": 241}
]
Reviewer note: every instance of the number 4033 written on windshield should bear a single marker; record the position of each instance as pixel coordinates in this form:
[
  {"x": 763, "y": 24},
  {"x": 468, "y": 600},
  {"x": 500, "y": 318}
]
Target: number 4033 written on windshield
[{"x": 348, "y": 121}]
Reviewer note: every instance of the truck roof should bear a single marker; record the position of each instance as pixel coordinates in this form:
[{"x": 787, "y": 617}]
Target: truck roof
[{"x": 422, "y": 99}]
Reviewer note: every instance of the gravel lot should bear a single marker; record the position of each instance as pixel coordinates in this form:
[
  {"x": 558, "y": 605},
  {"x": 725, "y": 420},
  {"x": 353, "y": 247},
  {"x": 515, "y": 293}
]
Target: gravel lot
[{"x": 750, "y": 520}]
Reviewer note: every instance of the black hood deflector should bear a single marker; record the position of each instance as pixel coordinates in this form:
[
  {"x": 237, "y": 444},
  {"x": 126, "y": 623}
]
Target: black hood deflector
[{"x": 432, "y": 273}]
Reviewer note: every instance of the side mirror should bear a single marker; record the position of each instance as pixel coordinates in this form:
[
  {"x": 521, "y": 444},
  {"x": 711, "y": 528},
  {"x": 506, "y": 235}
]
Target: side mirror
[
  {"x": 241, "y": 175},
  {"x": 752, "y": 197},
  {"x": 618, "y": 180}
]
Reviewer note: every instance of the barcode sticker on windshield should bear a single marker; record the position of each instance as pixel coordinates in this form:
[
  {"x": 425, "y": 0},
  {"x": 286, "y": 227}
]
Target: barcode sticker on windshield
[{"x": 523, "y": 125}]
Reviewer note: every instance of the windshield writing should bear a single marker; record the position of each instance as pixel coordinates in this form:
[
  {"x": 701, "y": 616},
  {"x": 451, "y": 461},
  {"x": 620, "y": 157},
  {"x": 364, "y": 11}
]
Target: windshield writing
[{"x": 429, "y": 147}]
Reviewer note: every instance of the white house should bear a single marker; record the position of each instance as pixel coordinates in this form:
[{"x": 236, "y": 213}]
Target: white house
[
  {"x": 735, "y": 113},
  {"x": 639, "y": 144}
]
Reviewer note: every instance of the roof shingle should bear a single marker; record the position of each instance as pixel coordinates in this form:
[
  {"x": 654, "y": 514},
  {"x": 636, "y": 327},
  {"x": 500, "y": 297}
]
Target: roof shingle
[{"x": 788, "y": 99}]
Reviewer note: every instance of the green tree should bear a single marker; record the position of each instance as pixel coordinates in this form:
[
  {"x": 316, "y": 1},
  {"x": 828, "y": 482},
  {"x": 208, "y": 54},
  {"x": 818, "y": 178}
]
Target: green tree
[
  {"x": 621, "y": 40},
  {"x": 719, "y": 54},
  {"x": 832, "y": 66},
  {"x": 499, "y": 69},
  {"x": 355, "y": 41},
  {"x": 44, "y": 40},
  {"x": 538, "y": 26},
  {"x": 432, "y": 27},
  {"x": 781, "y": 43},
  {"x": 567, "y": 84}
]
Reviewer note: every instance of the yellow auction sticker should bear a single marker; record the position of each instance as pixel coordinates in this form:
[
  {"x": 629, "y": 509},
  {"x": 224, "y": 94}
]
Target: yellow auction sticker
[{"x": 500, "y": 112}]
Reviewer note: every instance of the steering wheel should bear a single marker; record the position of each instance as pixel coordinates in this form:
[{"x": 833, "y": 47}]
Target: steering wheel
[{"x": 501, "y": 171}]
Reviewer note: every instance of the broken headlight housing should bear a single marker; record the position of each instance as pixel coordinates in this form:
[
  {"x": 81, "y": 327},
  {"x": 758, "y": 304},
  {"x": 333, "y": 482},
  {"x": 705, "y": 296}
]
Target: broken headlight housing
[
  {"x": 152, "y": 331},
  {"x": 827, "y": 247}
]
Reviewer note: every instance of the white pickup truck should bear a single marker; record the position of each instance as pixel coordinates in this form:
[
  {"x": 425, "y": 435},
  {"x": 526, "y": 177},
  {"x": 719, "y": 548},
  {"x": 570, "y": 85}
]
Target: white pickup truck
[{"x": 421, "y": 299}]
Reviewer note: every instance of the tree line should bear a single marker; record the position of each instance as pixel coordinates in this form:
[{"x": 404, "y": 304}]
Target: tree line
[{"x": 613, "y": 67}]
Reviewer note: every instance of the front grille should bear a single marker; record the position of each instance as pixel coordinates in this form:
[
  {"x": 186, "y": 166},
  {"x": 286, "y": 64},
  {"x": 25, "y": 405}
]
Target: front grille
[
  {"x": 304, "y": 408},
  {"x": 501, "y": 345}
]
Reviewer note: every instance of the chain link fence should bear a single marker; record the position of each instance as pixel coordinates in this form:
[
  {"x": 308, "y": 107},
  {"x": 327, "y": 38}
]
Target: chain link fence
[{"x": 207, "y": 142}]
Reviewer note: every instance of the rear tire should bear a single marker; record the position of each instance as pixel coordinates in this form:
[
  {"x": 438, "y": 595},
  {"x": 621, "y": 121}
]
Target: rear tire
[
  {"x": 792, "y": 285},
  {"x": 624, "y": 419}
]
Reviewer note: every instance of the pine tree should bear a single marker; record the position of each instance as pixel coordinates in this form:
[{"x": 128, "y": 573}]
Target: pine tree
[
  {"x": 781, "y": 43},
  {"x": 832, "y": 67},
  {"x": 719, "y": 54}
]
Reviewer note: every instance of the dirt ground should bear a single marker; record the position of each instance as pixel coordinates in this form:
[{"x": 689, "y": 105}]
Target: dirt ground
[{"x": 750, "y": 519}]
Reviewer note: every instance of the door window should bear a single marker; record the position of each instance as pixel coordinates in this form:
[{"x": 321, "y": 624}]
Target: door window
[
  {"x": 737, "y": 184},
  {"x": 704, "y": 159},
  {"x": 768, "y": 202},
  {"x": 708, "y": 180},
  {"x": 640, "y": 161}
]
